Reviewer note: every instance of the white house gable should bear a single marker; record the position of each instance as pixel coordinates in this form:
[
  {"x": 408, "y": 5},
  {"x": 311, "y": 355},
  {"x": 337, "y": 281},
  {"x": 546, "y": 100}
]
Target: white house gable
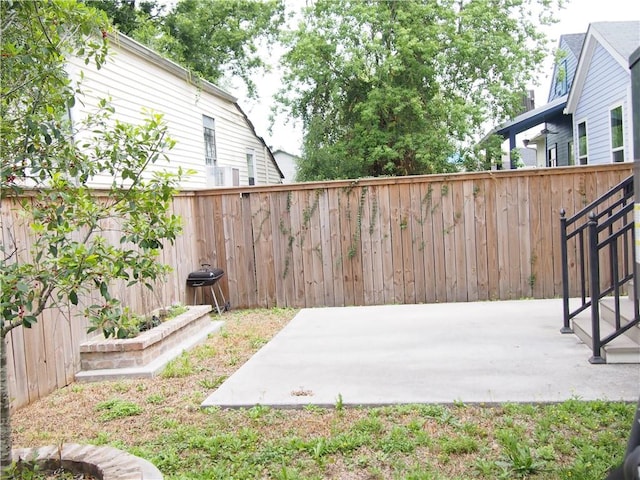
[
  {"x": 605, "y": 88},
  {"x": 136, "y": 79},
  {"x": 600, "y": 98}
]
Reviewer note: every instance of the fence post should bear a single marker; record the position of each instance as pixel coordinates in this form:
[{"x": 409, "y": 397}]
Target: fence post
[
  {"x": 594, "y": 270},
  {"x": 566, "y": 327}
]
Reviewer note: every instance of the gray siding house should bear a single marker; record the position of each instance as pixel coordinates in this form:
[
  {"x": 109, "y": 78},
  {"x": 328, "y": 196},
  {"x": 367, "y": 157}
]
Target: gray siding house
[
  {"x": 588, "y": 117},
  {"x": 553, "y": 137},
  {"x": 600, "y": 99},
  {"x": 557, "y": 134}
]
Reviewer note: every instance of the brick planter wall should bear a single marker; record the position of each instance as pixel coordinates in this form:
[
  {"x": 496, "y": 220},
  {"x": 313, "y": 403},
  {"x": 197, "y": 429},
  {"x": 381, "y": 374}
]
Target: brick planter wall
[{"x": 100, "y": 353}]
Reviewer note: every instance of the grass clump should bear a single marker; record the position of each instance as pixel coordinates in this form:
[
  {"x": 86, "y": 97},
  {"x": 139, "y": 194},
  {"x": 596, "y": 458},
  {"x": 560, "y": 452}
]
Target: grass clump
[{"x": 117, "y": 408}]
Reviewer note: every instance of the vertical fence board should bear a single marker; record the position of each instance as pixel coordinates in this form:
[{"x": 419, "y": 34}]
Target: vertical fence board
[
  {"x": 480, "y": 225},
  {"x": 248, "y": 251},
  {"x": 395, "y": 208},
  {"x": 428, "y": 262},
  {"x": 503, "y": 239},
  {"x": 316, "y": 249},
  {"x": 347, "y": 247},
  {"x": 306, "y": 248},
  {"x": 358, "y": 200},
  {"x": 546, "y": 228},
  {"x": 491, "y": 218},
  {"x": 526, "y": 254},
  {"x": 229, "y": 219},
  {"x": 514, "y": 268},
  {"x": 471, "y": 249},
  {"x": 417, "y": 242},
  {"x": 287, "y": 240},
  {"x": 439, "y": 254},
  {"x": 263, "y": 241},
  {"x": 459, "y": 241},
  {"x": 325, "y": 251},
  {"x": 375, "y": 234},
  {"x": 278, "y": 248},
  {"x": 388, "y": 269},
  {"x": 299, "y": 275},
  {"x": 406, "y": 233},
  {"x": 336, "y": 235},
  {"x": 557, "y": 185},
  {"x": 368, "y": 256},
  {"x": 449, "y": 224},
  {"x": 18, "y": 395},
  {"x": 535, "y": 236}
]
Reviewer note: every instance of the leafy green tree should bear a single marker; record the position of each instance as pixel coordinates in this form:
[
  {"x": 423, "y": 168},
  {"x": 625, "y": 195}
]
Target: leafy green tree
[
  {"x": 129, "y": 18},
  {"x": 216, "y": 39},
  {"x": 47, "y": 167},
  {"x": 403, "y": 88}
]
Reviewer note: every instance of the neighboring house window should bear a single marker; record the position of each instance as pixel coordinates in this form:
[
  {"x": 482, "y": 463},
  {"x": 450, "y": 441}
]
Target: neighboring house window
[
  {"x": 617, "y": 142},
  {"x": 582, "y": 143},
  {"x": 251, "y": 166},
  {"x": 561, "y": 79},
  {"x": 571, "y": 160},
  {"x": 209, "y": 126},
  {"x": 552, "y": 161}
]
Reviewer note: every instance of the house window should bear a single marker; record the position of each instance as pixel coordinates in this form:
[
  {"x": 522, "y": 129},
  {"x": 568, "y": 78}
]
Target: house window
[
  {"x": 582, "y": 143},
  {"x": 617, "y": 142},
  {"x": 251, "y": 166},
  {"x": 552, "y": 154},
  {"x": 209, "y": 127},
  {"x": 561, "y": 79},
  {"x": 571, "y": 160}
]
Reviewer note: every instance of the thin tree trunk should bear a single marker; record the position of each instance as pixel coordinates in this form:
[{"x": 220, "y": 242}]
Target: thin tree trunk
[{"x": 5, "y": 419}]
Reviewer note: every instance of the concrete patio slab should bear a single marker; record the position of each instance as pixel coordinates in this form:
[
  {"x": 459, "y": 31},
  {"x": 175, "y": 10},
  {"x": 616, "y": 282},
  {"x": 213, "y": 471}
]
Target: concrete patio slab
[{"x": 481, "y": 352}]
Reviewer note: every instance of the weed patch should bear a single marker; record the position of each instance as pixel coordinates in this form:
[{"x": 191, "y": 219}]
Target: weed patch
[{"x": 117, "y": 408}]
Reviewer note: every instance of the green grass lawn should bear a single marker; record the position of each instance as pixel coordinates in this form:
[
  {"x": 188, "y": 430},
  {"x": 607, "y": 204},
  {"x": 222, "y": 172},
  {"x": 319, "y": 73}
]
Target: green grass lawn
[{"x": 161, "y": 420}]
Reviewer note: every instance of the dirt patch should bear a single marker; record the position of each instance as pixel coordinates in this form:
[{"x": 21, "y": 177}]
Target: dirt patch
[{"x": 69, "y": 414}]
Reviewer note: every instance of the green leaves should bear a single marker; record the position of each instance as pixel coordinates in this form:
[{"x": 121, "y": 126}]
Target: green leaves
[
  {"x": 403, "y": 88},
  {"x": 81, "y": 243}
]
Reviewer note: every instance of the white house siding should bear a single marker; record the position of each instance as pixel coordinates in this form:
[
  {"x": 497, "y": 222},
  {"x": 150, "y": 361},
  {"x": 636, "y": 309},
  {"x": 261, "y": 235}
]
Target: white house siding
[
  {"x": 136, "y": 83},
  {"x": 288, "y": 163},
  {"x": 606, "y": 85}
]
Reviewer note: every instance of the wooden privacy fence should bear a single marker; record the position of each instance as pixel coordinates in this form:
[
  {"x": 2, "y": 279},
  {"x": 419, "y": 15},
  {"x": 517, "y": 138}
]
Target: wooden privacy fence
[{"x": 437, "y": 238}]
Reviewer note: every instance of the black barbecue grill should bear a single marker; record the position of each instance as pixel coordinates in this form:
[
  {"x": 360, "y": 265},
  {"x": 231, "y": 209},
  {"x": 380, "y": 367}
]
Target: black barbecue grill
[{"x": 208, "y": 277}]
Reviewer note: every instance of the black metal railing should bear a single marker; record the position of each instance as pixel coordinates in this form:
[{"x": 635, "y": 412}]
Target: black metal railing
[{"x": 600, "y": 233}]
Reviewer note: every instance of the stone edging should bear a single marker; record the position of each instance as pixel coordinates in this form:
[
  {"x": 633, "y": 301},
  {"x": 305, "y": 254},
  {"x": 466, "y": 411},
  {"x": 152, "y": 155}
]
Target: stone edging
[{"x": 106, "y": 463}]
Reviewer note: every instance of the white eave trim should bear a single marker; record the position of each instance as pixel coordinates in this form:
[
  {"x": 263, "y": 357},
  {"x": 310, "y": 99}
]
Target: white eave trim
[
  {"x": 592, "y": 39},
  {"x": 121, "y": 40}
]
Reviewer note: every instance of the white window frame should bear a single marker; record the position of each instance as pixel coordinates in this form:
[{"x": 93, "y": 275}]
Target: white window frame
[
  {"x": 552, "y": 161},
  {"x": 209, "y": 132},
  {"x": 251, "y": 166},
  {"x": 577, "y": 142},
  {"x": 571, "y": 152},
  {"x": 613, "y": 149}
]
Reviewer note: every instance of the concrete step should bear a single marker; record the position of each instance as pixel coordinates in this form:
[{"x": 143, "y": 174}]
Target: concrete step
[
  {"x": 607, "y": 313},
  {"x": 620, "y": 350}
]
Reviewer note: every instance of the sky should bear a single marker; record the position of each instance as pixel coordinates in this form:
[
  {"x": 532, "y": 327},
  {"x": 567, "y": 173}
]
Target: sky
[{"x": 574, "y": 18}]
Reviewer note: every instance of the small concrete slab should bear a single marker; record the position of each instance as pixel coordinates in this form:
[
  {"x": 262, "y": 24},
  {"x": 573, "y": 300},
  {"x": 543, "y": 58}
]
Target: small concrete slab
[{"x": 481, "y": 352}]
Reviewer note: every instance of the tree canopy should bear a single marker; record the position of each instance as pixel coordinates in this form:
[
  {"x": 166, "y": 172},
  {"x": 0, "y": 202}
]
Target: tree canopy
[
  {"x": 216, "y": 39},
  {"x": 71, "y": 257},
  {"x": 403, "y": 88}
]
